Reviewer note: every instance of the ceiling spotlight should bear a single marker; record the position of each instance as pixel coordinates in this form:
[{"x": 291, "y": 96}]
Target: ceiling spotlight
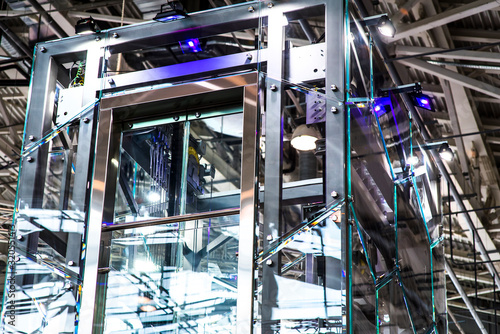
[
  {"x": 422, "y": 101},
  {"x": 382, "y": 22},
  {"x": 445, "y": 152},
  {"x": 171, "y": 11},
  {"x": 86, "y": 26},
  {"x": 385, "y": 26},
  {"x": 304, "y": 138},
  {"x": 412, "y": 160}
]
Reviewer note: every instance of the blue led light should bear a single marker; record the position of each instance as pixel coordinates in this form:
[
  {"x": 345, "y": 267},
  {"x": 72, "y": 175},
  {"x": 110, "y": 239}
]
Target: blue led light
[
  {"x": 423, "y": 101},
  {"x": 190, "y": 46}
]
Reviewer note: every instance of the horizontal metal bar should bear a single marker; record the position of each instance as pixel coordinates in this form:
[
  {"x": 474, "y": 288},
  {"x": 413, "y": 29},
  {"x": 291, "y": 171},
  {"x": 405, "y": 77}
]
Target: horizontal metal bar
[{"x": 173, "y": 219}]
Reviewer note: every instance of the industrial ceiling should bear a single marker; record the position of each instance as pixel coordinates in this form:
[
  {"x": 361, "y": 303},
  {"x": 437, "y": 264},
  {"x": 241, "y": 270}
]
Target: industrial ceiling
[{"x": 451, "y": 47}]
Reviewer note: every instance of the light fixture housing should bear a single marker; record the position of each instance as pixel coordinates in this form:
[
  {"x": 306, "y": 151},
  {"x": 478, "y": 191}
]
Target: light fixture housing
[
  {"x": 385, "y": 26},
  {"x": 422, "y": 101},
  {"x": 445, "y": 152},
  {"x": 304, "y": 138},
  {"x": 382, "y": 22},
  {"x": 171, "y": 11},
  {"x": 86, "y": 26}
]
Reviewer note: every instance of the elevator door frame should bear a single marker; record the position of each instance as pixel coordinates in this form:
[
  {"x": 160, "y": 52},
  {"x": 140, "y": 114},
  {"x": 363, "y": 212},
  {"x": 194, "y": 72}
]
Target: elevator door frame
[{"x": 103, "y": 190}]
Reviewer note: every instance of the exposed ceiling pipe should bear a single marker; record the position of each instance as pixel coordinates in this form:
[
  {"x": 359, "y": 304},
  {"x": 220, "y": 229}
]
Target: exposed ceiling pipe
[
  {"x": 425, "y": 134},
  {"x": 48, "y": 19}
]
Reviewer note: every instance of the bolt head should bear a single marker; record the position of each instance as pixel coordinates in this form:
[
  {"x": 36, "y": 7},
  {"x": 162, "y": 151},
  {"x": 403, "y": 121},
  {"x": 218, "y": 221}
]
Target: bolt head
[
  {"x": 334, "y": 110},
  {"x": 270, "y": 5},
  {"x": 97, "y": 38},
  {"x": 334, "y": 194},
  {"x": 43, "y": 49},
  {"x": 273, "y": 87},
  {"x": 269, "y": 262},
  {"x": 111, "y": 81},
  {"x": 115, "y": 35},
  {"x": 251, "y": 9},
  {"x": 249, "y": 56},
  {"x": 334, "y": 217},
  {"x": 176, "y": 118},
  {"x": 30, "y": 159},
  {"x": 269, "y": 237},
  {"x": 20, "y": 237},
  {"x": 197, "y": 114},
  {"x": 86, "y": 120},
  {"x": 334, "y": 87},
  {"x": 31, "y": 138}
]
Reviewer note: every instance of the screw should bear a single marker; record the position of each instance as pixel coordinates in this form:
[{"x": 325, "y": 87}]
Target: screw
[
  {"x": 334, "y": 194},
  {"x": 273, "y": 87},
  {"x": 270, "y": 5},
  {"x": 111, "y": 81},
  {"x": 334, "y": 217},
  {"x": 176, "y": 118},
  {"x": 269, "y": 262},
  {"x": 71, "y": 263},
  {"x": 197, "y": 114},
  {"x": 115, "y": 35},
  {"x": 251, "y": 9},
  {"x": 97, "y": 38},
  {"x": 20, "y": 238},
  {"x": 86, "y": 120},
  {"x": 334, "y": 110},
  {"x": 269, "y": 237},
  {"x": 249, "y": 56},
  {"x": 43, "y": 49},
  {"x": 30, "y": 159},
  {"x": 31, "y": 138},
  {"x": 334, "y": 87}
]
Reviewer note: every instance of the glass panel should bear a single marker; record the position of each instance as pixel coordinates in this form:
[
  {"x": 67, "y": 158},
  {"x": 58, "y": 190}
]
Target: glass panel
[
  {"x": 372, "y": 189},
  {"x": 359, "y": 60},
  {"x": 175, "y": 278},
  {"x": 48, "y": 224},
  {"x": 38, "y": 299},
  {"x": 440, "y": 288},
  {"x": 395, "y": 128},
  {"x": 393, "y": 317},
  {"x": 363, "y": 289},
  {"x": 415, "y": 261},
  {"x": 157, "y": 159}
]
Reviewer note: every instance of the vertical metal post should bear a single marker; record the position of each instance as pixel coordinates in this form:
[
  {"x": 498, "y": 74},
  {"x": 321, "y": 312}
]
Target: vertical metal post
[
  {"x": 273, "y": 179},
  {"x": 248, "y": 211},
  {"x": 335, "y": 157},
  {"x": 103, "y": 171}
]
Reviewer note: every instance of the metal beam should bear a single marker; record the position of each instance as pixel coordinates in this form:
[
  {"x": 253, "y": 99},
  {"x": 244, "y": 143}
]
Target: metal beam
[
  {"x": 474, "y": 35},
  {"x": 434, "y": 21},
  {"x": 48, "y": 19},
  {"x": 455, "y": 77},
  {"x": 456, "y": 283},
  {"x": 478, "y": 56}
]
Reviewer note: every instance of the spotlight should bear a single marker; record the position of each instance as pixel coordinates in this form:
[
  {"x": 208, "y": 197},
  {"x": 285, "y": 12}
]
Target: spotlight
[
  {"x": 86, "y": 26},
  {"x": 445, "y": 152},
  {"x": 385, "y": 27},
  {"x": 412, "y": 160},
  {"x": 171, "y": 11},
  {"x": 304, "y": 138},
  {"x": 190, "y": 46},
  {"x": 422, "y": 101},
  {"x": 382, "y": 22}
]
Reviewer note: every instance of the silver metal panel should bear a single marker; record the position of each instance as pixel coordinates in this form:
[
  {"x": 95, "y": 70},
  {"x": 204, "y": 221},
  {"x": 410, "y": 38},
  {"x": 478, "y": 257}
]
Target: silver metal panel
[
  {"x": 248, "y": 211},
  {"x": 94, "y": 221},
  {"x": 188, "y": 89}
]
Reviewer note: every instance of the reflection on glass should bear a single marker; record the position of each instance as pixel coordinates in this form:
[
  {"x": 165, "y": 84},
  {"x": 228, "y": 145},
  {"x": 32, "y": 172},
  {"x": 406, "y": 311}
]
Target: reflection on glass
[
  {"x": 363, "y": 290},
  {"x": 155, "y": 160},
  {"x": 414, "y": 260},
  {"x": 393, "y": 315},
  {"x": 174, "y": 278},
  {"x": 38, "y": 299},
  {"x": 440, "y": 288}
]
